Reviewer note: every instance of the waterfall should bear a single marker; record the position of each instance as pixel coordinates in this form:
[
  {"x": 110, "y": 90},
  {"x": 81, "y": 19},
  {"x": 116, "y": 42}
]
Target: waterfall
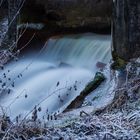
[
  {"x": 80, "y": 51},
  {"x": 53, "y": 78}
]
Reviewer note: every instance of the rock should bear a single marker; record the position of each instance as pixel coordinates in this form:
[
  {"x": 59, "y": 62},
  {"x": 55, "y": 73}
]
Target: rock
[
  {"x": 99, "y": 77},
  {"x": 100, "y": 65}
]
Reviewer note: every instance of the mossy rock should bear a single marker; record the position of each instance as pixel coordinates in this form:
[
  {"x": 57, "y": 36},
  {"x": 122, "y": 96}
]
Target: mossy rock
[
  {"x": 99, "y": 77},
  {"x": 119, "y": 63}
]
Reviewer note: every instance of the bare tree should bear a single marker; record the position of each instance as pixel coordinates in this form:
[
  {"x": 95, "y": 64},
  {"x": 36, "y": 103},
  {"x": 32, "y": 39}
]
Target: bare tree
[{"x": 14, "y": 7}]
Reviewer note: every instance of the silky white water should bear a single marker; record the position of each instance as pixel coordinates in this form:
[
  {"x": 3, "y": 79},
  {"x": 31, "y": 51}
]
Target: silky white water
[
  {"x": 52, "y": 78},
  {"x": 80, "y": 50}
]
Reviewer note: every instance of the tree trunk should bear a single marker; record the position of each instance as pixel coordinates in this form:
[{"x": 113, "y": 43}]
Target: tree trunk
[{"x": 126, "y": 29}]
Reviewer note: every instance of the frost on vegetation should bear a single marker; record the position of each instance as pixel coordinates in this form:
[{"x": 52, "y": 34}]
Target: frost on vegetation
[
  {"x": 119, "y": 125},
  {"x": 121, "y": 122},
  {"x": 3, "y": 28},
  {"x": 37, "y": 26}
]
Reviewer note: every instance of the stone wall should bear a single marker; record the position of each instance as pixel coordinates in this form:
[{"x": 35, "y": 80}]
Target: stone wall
[{"x": 70, "y": 13}]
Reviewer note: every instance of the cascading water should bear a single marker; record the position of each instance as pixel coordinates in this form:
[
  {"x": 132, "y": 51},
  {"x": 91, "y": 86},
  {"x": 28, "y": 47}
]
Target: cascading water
[
  {"x": 80, "y": 50},
  {"x": 54, "y": 77}
]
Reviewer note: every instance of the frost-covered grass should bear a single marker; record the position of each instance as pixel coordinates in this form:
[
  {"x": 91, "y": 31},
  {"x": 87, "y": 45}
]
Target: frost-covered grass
[
  {"x": 118, "y": 125},
  {"x": 113, "y": 125}
]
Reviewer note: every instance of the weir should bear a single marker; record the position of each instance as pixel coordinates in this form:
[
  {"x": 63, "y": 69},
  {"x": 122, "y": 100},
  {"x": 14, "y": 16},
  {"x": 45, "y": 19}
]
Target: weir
[{"x": 52, "y": 78}]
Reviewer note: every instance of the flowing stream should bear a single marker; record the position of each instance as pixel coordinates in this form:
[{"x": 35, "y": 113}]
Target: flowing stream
[{"x": 52, "y": 78}]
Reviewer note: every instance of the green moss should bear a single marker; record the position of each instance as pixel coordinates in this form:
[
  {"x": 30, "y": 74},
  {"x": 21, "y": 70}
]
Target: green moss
[
  {"x": 99, "y": 77},
  {"x": 119, "y": 63}
]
